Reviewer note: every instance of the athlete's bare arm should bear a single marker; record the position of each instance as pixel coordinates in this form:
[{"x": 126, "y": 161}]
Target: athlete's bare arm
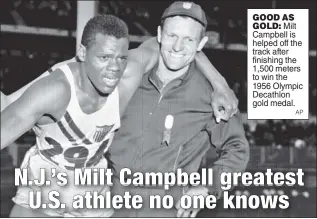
[
  {"x": 140, "y": 61},
  {"x": 224, "y": 101},
  {"x": 130, "y": 81},
  {"x": 48, "y": 96}
]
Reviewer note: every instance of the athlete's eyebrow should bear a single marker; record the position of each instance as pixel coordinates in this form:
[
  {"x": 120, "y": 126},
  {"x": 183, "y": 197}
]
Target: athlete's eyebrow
[{"x": 105, "y": 53}]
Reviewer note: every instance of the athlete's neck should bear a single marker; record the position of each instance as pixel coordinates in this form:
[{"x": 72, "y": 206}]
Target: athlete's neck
[{"x": 87, "y": 87}]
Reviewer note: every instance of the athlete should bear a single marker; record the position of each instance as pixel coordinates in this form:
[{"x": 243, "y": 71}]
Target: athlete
[{"x": 67, "y": 111}]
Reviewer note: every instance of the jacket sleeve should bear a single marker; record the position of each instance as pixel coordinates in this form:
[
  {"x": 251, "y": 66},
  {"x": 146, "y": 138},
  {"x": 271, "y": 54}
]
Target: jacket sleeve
[{"x": 233, "y": 148}]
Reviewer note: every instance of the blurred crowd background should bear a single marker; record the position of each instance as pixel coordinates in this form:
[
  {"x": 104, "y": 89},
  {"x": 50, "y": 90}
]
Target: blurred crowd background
[{"x": 37, "y": 34}]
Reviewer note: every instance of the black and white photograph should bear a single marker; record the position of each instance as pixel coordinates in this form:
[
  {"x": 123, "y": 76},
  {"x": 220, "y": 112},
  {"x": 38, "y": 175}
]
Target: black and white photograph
[{"x": 142, "y": 109}]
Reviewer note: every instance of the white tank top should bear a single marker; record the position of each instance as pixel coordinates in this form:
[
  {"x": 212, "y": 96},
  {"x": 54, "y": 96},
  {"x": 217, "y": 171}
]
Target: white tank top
[{"x": 79, "y": 140}]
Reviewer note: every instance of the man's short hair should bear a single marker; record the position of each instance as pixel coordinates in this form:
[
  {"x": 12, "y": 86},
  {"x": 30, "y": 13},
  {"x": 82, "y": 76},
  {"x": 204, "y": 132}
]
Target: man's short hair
[{"x": 105, "y": 24}]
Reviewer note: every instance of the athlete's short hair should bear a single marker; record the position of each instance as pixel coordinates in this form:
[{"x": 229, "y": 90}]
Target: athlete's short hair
[{"x": 105, "y": 24}]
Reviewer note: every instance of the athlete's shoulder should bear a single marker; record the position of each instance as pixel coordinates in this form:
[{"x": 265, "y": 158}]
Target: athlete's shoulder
[
  {"x": 60, "y": 71},
  {"x": 55, "y": 67},
  {"x": 66, "y": 62},
  {"x": 54, "y": 87},
  {"x": 48, "y": 95}
]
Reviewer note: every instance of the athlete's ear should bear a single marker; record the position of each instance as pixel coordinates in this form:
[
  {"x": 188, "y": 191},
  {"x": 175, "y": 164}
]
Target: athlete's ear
[
  {"x": 81, "y": 53},
  {"x": 202, "y": 43},
  {"x": 159, "y": 34}
]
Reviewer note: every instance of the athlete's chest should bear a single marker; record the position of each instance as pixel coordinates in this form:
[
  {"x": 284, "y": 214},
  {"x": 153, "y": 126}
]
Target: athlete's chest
[{"x": 85, "y": 104}]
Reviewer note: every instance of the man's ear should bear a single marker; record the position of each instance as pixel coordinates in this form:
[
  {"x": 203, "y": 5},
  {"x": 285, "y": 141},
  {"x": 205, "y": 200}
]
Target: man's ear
[
  {"x": 81, "y": 53},
  {"x": 159, "y": 34},
  {"x": 202, "y": 43}
]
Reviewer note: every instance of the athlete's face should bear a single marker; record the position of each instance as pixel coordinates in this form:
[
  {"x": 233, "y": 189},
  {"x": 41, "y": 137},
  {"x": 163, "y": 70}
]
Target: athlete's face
[
  {"x": 105, "y": 61},
  {"x": 180, "y": 39}
]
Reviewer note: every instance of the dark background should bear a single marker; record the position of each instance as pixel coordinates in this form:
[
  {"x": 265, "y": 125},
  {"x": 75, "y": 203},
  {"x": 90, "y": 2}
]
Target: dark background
[{"x": 282, "y": 145}]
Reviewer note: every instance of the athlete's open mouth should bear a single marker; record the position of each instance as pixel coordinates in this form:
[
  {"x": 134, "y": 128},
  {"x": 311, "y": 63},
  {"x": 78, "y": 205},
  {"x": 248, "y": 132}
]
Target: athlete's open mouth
[{"x": 110, "y": 81}]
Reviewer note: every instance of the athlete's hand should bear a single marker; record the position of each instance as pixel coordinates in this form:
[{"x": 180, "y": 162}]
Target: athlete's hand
[
  {"x": 4, "y": 101},
  {"x": 191, "y": 212},
  {"x": 224, "y": 104}
]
